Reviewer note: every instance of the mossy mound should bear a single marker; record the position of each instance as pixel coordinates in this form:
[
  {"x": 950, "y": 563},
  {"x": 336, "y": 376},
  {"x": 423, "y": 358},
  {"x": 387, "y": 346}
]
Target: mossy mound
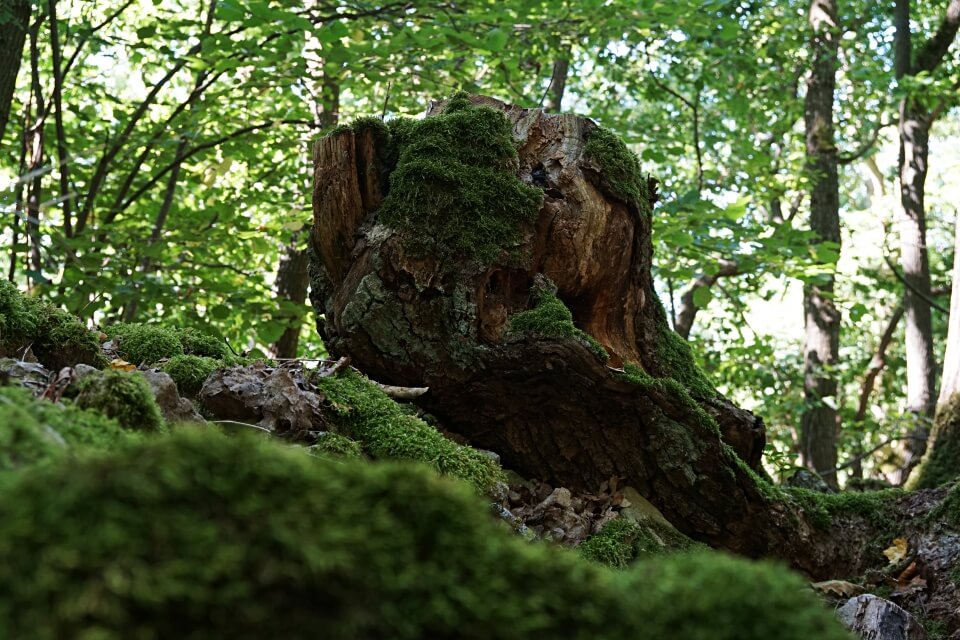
[
  {"x": 454, "y": 190},
  {"x": 145, "y": 343},
  {"x": 877, "y": 507},
  {"x": 386, "y": 431},
  {"x": 201, "y": 536},
  {"x": 190, "y": 372},
  {"x": 622, "y": 541},
  {"x": 334, "y": 445},
  {"x": 150, "y": 343},
  {"x": 57, "y": 338},
  {"x": 34, "y": 431},
  {"x": 126, "y": 397},
  {"x": 941, "y": 464},
  {"x": 551, "y": 318}
]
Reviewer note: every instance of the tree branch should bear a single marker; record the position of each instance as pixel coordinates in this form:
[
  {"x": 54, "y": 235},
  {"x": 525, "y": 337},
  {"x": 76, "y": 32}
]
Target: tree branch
[
  {"x": 688, "y": 308},
  {"x": 934, "y": 49}
]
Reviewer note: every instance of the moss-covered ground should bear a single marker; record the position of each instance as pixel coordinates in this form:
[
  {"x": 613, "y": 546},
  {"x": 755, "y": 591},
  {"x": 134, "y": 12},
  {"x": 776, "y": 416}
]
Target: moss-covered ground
[
  {"x": 623, "y": 541},
  {"x": 386, "y": 431},
  {"x": 196, "y": 535}
]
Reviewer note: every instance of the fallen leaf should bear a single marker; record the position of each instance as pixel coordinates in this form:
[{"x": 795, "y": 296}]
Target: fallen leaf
[
  {"x": 917, "y": 585},
  {"x": 897, "y": 551},
  {"x": 122, "y": 365},
  {"x": 838, "y": 588}
]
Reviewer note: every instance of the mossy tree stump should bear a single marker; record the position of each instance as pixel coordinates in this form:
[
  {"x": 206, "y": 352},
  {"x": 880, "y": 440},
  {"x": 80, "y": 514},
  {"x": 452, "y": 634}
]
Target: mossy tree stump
[{"x": 501, "y": 256}]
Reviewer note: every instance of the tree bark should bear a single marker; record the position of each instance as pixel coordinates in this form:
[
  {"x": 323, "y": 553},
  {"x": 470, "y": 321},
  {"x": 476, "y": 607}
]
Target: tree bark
[
  {"x": 14, "y": 22},
  {"x": 818, "y": 431},
  {"x": 558, "y": 84}
]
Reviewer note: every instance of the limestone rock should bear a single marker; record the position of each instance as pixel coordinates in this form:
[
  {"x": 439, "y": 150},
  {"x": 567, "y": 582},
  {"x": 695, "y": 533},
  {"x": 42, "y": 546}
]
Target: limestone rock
[{"x": 873, "y": 618}]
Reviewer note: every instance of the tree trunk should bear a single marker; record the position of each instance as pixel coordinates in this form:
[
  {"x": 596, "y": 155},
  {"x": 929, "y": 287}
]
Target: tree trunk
[
  {"x": 292, "y": 276},
  {"x": 558, "y": 84},
  {"x": 942, "y": 461},
  {"x": 542, "y": 396},
  {"x": 818, "y": 431},
  {"x": 14, "y": 21}
]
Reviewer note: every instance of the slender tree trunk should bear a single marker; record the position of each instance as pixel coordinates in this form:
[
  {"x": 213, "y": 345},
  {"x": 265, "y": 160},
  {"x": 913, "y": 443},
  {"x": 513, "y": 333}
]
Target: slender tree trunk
[
  {"x": 36, "y": 142},
  {"x": 558, "y": 85},
  {"x": 821, "y": 318},
  {"x": 292, "y": 272},
  {"x": 14, "y": 22}
]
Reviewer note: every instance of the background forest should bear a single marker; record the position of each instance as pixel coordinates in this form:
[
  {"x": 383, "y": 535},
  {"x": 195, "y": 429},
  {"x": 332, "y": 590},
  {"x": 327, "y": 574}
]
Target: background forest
[{"x": 155, "y": 167}]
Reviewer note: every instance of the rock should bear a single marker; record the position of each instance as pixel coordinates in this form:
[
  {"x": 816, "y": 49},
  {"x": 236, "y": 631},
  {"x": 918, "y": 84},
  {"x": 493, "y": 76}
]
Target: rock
[
  {"x": 82, "y": 370},
  {"x": 28, "y": 374},
  {"x": 873, "y": 618},
  {"x": 639, "y": 509},
  {"x": 806, "y": 479},
  {"x": 275, "y": 399},
  {"x": 172, "y": 406},
  {"x": 491, "y": 454}
]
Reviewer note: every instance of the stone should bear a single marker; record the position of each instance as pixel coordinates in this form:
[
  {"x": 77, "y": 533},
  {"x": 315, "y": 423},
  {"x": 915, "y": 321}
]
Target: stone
[
  {"x": 873, "y": 618},
  {"x": 172, "y": 406}
]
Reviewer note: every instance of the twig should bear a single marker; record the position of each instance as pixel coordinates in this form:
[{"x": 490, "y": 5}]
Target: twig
[
  {"x": 402, "y": 393},
  {"x": 243, "y": 424}
]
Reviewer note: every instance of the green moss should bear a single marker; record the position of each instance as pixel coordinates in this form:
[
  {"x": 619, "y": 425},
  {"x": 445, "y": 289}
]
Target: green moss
[
  {"x": 676, "y": 360},
  {"x": 201, "y": 536},
  {"x": 33, "y": 431},
  {"x": 57, "y": 338},
  {"x": 454, "y": 190},
  {"x": 619, "y": 167},
  {"x": 876, "y": 507},
  {"x": 198, "y": 343},
  {"x": 948, "y": 511},
  {"x": 385, "y": 431},
  {"x": 336, "y": 446},
  {"x": 551, "y": 318},
  {"x": 622, "y": 541},
  {"x": 190, "y": 372},
  {"x": 675, "y": 390},
  {"x": 941, "y": 464},
  {"x": 145, "y": 343},
  {"x": 126, "y": 397}
]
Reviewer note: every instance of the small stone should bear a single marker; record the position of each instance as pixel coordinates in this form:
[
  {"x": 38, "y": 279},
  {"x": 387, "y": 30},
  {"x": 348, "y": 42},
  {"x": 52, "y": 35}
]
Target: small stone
[
  {"x": 172, "y": 406},
  {"x": 562, "y": 497}
]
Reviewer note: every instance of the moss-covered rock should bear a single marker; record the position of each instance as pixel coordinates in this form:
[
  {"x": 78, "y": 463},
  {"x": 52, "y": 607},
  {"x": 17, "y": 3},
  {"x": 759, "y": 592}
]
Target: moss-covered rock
[
  {"x": 190, "y": 372},
  {"x": 34, "y": 431},
  {"x": 551, "y": 318},
  {"x": 201, "y": 536},
  {"x": 877, "y": 507},
  {"x": 454, "y": 190},
  {"x": 198, "y": 343},
  {"x": 941, "y": 464},
  {"x": 57, "y": 338},
  {"x": 126, "y": 397},
  {"x": 145, "y": 343},
  {"x": 385, "y": 431}
]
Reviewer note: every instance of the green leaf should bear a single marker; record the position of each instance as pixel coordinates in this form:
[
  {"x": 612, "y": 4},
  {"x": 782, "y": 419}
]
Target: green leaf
[{"x": 702, "y": 296}]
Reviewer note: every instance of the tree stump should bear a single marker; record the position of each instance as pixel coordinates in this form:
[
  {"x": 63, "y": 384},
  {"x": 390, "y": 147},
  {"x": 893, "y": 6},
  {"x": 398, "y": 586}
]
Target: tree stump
[{"x": 501, "y": 256}]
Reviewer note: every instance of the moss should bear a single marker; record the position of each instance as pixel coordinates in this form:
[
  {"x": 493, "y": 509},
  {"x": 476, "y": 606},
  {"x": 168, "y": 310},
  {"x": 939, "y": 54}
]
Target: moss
[
  {"x": 675, "y": 390},
  {"x": 197, "y": 535},
  {"x": 948, "y": 511},
  {"x": 57, "y": 338},
  {"x": 619, "y": 167},
  {"x": 551, "y": 318},
  {"x": 622, "y": 541},
  {"x": 454, "y": 189},
  {"x": 336, "y": 446},
  {"x": 876, "y": 507},
  {"x": 190, "y": 372},
  {"x": 385, "y": 431},
  {"x": 126, "y": 397},
  {"x": 145, "y": 343},
  {"x": 198, "y": 343},
  {"x": 33, "y": 431},
  {"x": 941, "y": 464},
  {"x": 676, "y": 360}
]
